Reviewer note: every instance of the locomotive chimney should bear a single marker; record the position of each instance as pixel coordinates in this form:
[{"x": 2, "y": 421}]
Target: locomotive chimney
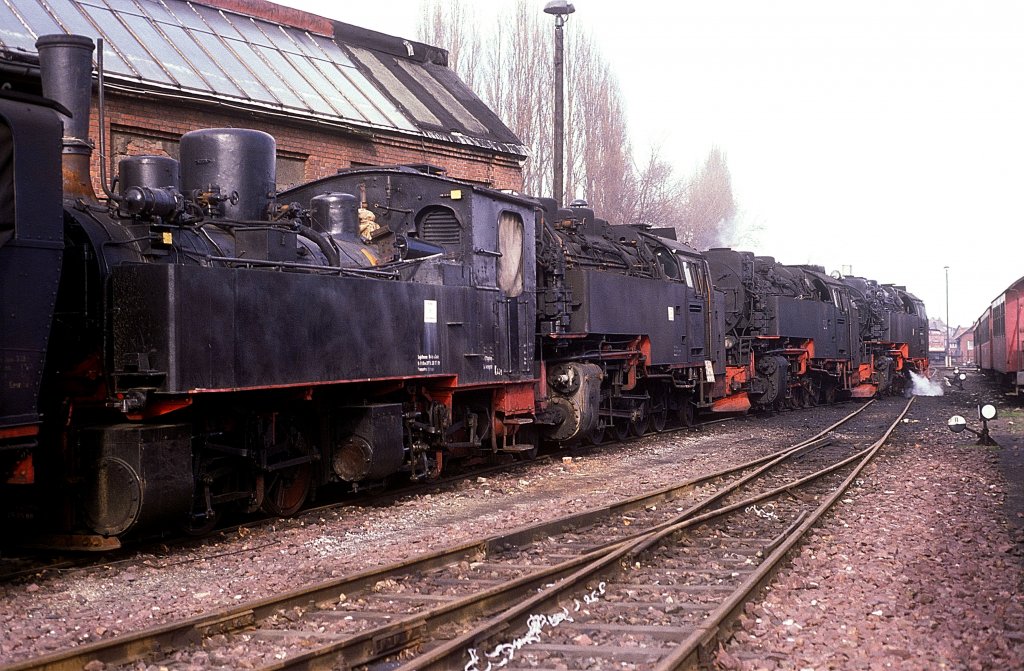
[{"x": 65, "y": 64}]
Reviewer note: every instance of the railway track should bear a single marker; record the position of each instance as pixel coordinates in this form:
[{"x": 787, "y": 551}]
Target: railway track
[
  {"x": 39, "y": 556},
  {"x": 646, "y": 582}
]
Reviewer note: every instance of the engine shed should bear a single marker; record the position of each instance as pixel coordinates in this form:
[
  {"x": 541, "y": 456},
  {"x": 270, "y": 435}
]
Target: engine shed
[{"x": 335, "y": 96}]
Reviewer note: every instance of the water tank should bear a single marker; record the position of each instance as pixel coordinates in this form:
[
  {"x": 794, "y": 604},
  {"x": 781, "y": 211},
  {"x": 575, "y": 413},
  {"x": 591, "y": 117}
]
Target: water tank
[{"x": 239, "y": 161}]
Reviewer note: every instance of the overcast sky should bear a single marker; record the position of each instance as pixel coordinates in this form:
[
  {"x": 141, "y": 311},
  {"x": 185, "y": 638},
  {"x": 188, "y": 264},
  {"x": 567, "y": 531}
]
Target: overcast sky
[{"x": 883, "y": 135}]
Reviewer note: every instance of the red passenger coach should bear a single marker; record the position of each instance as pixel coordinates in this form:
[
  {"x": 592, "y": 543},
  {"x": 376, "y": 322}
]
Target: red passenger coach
[{"x": 999, "y": 332}]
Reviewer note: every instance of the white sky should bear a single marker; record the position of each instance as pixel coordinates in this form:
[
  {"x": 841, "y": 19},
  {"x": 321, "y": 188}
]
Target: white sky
[{"x": 885, "y": 135}]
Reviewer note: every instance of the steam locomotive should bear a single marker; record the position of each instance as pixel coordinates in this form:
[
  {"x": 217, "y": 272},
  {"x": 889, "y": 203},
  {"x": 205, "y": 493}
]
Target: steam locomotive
[{"x": 195, "y": 343}]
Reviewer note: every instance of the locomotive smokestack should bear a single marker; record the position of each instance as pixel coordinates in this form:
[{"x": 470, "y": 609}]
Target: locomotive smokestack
[{"x": 65, "y": 63}]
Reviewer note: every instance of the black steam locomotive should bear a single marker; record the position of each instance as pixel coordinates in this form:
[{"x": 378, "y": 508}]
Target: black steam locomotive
[{"x": 196, "y": 343}]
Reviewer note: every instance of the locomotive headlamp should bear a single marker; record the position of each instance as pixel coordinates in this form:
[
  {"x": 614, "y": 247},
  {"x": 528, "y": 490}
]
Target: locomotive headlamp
[
  {"x": 986, "y": 411},
  {"x": 961, "y": 376},
  {"x": 957, "y": 424},
  {"x": 730, "y": 341}
]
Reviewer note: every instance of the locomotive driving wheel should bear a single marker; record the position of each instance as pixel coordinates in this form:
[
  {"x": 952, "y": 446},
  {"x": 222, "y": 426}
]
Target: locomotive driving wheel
[
  {"x": 659, "y": 411},
  {"x": 203, "y": 517},
  {"x": 287, "y": 490},
  {"x": 289, "y": 478},
  {"x": 620, "y": 428},
  {"x": 198, "y": 525},
  {"x": 597, "y": 434},
  {"x": 686, "y": 412},
  {"x": 639, "y": 425},
  {"x": 812, "y": 393}
]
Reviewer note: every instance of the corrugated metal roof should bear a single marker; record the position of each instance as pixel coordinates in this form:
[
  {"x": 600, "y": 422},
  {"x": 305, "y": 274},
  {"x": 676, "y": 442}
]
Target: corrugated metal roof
[{"x": 206, "y": 50}]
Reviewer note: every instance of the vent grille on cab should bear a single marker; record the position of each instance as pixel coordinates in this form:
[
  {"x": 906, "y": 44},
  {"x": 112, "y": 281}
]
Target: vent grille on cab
[{"x": 439, "y": 226}]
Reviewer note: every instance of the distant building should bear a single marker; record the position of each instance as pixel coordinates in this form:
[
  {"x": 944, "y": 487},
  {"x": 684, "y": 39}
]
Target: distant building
[
  {"x": 333, "y": 95},
  {"x": 959, "y": 345},
  {"x": 965, "y": 347},
  {"x": 936, "y": 345}
]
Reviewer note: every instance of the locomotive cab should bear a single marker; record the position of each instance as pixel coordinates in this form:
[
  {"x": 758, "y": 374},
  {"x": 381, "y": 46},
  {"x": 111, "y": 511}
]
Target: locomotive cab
[{"x": 31, "y": 250}]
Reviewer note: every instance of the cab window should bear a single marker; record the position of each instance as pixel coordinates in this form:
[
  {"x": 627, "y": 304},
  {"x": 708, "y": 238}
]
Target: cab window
[{"x": 510, "y": 245}]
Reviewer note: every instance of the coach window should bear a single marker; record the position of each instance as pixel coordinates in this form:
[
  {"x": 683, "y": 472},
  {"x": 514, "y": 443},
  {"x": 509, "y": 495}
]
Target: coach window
[
  {"x": 6, "y": 184},
  {"x": 999, "y": 320},
  {"x": 510, "y": 245}
]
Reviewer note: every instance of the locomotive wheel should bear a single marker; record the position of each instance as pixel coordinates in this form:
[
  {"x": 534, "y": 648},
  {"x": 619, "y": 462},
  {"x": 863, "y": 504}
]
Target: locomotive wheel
[
  {"x": 596, "y": 435},
  {"x": 639, "y": 427},
  {"x": 686, "y": 413},
  {"x": 287, "y": 490},
  {"x": 528, "y": 455},
  {"x": 620, "y": 427},
  {"x": 528, "y": 438},
  {"x": 659, "y": 419},
  {"x": 659, "y": 412}
]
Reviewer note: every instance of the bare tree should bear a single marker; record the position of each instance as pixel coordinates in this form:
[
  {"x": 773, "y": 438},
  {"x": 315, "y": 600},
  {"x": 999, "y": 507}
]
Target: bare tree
[
  {"x": 701, "y": 208},
  {"x": 709, "y": 201},
  {"x": 448, "y": 24},
  {"x": 658, "y": 197},
  {"x": 598, "y": 165},
  {"x": 511, "y": 69}
]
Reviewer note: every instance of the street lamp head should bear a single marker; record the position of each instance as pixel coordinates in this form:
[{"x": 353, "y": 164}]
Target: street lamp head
[{"x": 559, "y": 7}]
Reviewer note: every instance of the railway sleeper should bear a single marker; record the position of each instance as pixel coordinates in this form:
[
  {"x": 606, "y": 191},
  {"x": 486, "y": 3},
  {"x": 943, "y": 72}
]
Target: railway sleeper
[
  {"x": 658, "y": 632},
  {"x": 611, "y": 653}
]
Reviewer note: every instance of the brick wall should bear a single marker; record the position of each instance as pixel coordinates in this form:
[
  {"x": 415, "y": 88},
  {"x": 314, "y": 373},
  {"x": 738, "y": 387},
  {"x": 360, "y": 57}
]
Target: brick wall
[{"x": 305, "y": 151}]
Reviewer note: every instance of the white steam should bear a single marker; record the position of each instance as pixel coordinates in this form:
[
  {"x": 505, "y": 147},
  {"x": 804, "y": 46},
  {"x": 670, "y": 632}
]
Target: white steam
[{"x": 922, "y": 386}]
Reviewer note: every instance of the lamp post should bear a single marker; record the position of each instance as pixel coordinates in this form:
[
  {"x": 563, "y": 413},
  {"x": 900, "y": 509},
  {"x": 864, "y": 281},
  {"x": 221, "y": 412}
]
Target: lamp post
[
  {"x": 947, "y": 316},
  {"x": 561, "y": 9}
]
